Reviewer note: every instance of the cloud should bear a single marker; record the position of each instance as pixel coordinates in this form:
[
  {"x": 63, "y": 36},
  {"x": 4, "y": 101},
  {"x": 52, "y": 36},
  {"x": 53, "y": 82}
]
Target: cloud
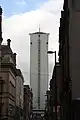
[
  {"x": 18, "y": 27},
  {"x": 53, "y": 6}
]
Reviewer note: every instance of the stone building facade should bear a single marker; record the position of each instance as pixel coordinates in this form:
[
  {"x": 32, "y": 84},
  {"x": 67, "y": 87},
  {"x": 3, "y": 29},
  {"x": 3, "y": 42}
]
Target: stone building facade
[
  {"x": 28, "y": 102},
  {"x": 19, "y": 95},
  {"x": 8, "y": 74},
  {"x": 12, "y": 86}
]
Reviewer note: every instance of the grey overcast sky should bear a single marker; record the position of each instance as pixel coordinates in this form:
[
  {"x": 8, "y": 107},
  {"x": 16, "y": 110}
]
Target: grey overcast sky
[{"x": 23, "y": 18}]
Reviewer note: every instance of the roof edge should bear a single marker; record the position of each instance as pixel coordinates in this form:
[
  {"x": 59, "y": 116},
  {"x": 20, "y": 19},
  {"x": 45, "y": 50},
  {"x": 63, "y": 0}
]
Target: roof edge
[{"x": 39, "y": 33}]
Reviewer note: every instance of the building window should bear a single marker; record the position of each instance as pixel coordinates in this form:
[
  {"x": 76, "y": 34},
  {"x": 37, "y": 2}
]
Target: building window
[
  {"x": 31, "y": 43},
  {"x": 38, "y": 35}
]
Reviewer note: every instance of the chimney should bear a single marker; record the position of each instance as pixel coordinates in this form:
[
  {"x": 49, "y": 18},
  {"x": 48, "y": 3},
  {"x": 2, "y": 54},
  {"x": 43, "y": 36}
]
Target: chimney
[
  {"x": 1, "y": 25},
  {"x": 8, "y": 42},
  {"x": 15, "y": 58}
]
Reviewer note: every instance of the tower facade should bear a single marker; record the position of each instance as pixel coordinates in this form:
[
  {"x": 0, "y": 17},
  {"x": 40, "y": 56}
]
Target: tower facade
[{"x": 39, "y": 68}]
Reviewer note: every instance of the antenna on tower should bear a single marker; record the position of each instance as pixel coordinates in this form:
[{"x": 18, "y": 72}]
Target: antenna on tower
[{"x": 39, "y": 27}]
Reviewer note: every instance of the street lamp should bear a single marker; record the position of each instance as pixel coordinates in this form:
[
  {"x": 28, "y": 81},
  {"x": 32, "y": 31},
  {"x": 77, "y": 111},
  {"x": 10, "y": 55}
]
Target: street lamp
[{"x": 51, "y": 52}]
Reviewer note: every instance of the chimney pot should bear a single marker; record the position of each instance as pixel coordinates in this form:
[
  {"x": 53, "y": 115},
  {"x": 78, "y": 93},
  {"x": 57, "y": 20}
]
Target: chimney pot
[
  {"x": 8, "y": 42},
  {"x": 15, "y": 58}
]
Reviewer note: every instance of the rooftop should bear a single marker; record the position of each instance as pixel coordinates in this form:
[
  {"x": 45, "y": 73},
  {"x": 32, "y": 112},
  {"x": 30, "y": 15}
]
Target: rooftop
[
  {"x": 7, "y": 53},
  {"x": 5, "y": 49},
  {"x": 38, "y": 33}
]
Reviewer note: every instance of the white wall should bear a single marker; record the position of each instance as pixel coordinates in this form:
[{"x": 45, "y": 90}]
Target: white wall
[
  {"x": 44, "y": 68},
  {"x": 34, "y": 68}
]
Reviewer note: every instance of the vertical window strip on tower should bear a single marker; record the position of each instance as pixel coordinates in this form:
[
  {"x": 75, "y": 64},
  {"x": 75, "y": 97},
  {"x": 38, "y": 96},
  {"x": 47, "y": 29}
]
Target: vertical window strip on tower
[{"x": 39, "y": 72}]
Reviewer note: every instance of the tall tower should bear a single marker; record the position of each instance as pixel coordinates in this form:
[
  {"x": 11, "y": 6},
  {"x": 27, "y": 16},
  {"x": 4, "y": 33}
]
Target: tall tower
[{"x": 39, "y": 67}]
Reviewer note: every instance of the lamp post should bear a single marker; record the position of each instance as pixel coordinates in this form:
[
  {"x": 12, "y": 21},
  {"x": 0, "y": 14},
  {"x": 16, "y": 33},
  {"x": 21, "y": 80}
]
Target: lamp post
[{"x": 51, "y": 52}]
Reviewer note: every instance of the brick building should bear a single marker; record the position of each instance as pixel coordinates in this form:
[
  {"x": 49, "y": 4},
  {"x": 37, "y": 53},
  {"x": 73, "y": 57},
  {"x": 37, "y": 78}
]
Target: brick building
[
  {"x": 28, "y": 102},
  {"x": 69, "y": 58}
]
